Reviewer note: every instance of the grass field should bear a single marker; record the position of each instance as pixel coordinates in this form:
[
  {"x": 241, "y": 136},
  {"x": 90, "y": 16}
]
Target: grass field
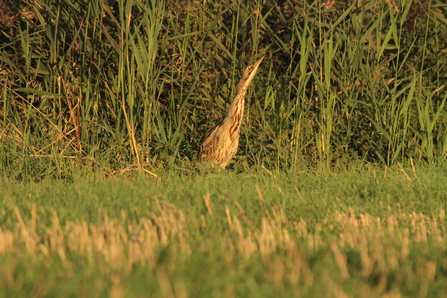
[
  {"x": 371, "y": 232},
  {"x": 339, "y": 186}
]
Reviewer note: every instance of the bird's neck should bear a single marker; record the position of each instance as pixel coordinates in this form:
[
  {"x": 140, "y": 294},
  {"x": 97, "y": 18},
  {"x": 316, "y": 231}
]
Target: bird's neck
[
  {"x": 237, "y": 106},
  {"x": 236, "y": 113}
]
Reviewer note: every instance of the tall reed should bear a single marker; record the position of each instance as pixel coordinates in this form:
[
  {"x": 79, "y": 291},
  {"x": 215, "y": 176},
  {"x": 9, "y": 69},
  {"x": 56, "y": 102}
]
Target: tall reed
[{"x": 102, "y": 85}]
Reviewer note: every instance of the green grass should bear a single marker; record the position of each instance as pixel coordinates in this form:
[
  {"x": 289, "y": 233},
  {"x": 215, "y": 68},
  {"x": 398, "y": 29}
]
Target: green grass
[
  {"x": 372, "y": 232},
  {"x": 338, "y": 188}
]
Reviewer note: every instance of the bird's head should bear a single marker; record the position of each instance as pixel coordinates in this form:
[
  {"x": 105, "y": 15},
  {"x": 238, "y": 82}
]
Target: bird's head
[{"x": 248, "y": 75}]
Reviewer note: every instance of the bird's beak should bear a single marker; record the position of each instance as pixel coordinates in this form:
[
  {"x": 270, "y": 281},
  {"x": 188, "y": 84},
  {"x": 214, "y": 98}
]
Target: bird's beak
[
  {"x": 254, "y": 68},
  {"x": 256, "y": 65}
]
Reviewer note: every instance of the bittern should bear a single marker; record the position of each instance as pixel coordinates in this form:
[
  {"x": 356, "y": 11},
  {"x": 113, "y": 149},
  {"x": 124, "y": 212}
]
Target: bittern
[{"x": 220, "y": 145}]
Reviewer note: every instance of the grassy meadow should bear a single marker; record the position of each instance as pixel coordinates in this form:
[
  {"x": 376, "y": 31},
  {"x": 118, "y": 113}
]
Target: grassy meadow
[
  {"x": 362, "y": 233},
  {"x": 339, "y": 186}
]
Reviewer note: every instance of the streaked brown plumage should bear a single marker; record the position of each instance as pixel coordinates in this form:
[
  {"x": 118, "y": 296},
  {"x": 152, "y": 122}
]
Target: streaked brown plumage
[{"x": 220, "y": 145}]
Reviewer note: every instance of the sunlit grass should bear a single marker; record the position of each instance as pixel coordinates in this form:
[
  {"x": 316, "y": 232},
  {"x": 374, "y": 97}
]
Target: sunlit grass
[
  {"x": 368, "y": 233},
  {"x": 338, "y": 188}
]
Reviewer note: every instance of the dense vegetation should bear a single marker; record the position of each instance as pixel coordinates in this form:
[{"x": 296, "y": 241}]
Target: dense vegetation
[
  {"x": 339, "y": 187},
  {"x": 104, "y": 84}
]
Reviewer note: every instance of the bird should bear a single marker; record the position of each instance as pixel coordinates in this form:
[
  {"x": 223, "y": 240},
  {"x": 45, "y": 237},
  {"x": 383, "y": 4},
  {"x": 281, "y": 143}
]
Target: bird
[{"x": 221, "y": 143}]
